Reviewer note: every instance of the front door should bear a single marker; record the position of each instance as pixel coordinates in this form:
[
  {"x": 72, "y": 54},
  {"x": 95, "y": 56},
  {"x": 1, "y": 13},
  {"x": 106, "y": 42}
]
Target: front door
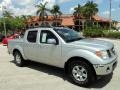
[{"x": 49, "y": 53}]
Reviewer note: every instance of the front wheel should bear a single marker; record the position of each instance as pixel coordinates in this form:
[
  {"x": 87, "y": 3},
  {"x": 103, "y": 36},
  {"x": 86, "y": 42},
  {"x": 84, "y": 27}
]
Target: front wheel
[
  {"x": 81, "y": 73},
  {"x": 19, "y": 61}
]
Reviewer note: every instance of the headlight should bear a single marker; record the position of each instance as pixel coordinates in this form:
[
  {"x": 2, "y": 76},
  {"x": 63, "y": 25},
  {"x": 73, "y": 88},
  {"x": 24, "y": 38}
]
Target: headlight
[{"x": 102, "y": 54}]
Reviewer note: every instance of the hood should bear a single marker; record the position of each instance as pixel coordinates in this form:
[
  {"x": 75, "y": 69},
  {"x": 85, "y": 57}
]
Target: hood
[{"x": 94, "y": 43}]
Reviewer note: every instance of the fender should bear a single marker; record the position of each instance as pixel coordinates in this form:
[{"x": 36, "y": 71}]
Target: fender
[
  {"x": 90, "y": 56},
  {"x": 21, "y": 51}
]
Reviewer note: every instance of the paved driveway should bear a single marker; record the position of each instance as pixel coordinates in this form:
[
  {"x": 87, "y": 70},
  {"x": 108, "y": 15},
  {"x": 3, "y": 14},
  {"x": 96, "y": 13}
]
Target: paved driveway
[{"x": 42, "y": 77}]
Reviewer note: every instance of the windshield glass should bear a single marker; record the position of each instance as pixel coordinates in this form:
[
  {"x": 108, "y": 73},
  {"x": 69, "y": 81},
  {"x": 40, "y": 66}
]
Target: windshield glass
[{"x": 69, "y": 35}]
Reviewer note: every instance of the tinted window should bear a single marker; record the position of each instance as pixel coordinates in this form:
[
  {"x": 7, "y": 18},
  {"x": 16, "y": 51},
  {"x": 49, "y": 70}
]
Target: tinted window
[
  {"x": 32, "y": 36},
  {"x": 69, "y": 35},
  {"x": 45, "y": 35}
]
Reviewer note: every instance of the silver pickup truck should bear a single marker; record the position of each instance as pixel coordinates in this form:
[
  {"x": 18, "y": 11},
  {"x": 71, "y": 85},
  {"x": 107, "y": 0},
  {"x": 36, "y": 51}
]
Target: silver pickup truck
[{"x": 82, "y": 59}]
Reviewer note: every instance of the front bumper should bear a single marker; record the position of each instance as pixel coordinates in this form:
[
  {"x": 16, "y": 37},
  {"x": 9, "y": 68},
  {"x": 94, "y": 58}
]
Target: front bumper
[{"x": 105, "y": 69}]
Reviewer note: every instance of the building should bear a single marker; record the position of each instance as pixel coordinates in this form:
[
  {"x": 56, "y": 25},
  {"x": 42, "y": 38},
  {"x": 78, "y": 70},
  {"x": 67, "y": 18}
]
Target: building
[
  {"x": 68, "y": 21},
  {"x": 118, "y": 24}
]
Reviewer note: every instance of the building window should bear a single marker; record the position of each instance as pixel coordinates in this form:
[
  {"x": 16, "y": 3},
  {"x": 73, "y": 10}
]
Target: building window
[
  {"x": 31, "y": 25},
  {"x": 36, "y": 24},
  {"x": 56, "y": 24},
  {"x": 45, "y": 24},
  {"x": 78, "y": 25}
]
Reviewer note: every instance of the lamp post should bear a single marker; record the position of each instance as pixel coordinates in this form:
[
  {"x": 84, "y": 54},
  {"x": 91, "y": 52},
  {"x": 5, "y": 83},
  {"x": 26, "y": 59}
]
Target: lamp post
[
  {"x": 110, "y": 16},
  {"x": 4, "y": 24}
]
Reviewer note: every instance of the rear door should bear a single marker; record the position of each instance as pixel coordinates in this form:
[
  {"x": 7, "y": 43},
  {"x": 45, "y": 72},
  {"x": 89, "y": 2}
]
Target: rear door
[{"x": 30, "y": 45}]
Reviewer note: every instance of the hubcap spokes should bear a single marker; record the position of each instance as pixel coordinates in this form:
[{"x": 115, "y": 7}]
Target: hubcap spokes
[
  {"x": 18, "y": 59},
  {"x": 79, "y": 73}
]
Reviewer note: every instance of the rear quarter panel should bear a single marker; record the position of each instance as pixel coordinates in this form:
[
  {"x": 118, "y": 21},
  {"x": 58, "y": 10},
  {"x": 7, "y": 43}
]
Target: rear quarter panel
[{"x": 16, "y": 44}]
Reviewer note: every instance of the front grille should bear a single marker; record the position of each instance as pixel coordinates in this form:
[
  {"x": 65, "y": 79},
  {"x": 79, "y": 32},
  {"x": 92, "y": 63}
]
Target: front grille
[{"x": 111, "y": 52}]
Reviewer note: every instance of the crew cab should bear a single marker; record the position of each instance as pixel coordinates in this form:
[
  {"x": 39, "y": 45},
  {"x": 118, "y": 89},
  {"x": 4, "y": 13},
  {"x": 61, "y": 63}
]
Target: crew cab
[{"x": 82, "y": 59}]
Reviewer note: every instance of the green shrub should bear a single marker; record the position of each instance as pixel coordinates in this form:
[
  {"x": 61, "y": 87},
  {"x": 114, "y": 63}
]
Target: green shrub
[
  {"x": 112, "y": 34},
  {"x": 93, "y": 33}
]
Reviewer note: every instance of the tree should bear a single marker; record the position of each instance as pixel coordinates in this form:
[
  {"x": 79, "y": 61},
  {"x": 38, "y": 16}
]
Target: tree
[
  {"x": 90, "y": 9},
  {"x": 30, "y": 17},
  {"x": 56, "y": 12},
  {"x": 78, "y": 11},
  {"x": 42, "y": 11},
  {"x": 18, "y": 23},
  {"x": 12, "y": 24},
  {"x": 24, "y": 17},
  {"x": 7, "y": 14},
  {"x": 1, "y": 25}
]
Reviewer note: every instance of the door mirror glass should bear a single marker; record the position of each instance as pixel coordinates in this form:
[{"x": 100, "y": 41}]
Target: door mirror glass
[{"x": 51, "y": 41}]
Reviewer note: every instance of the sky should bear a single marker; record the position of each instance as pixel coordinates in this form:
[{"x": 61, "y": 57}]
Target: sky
[{"x": 27, "y": 7}]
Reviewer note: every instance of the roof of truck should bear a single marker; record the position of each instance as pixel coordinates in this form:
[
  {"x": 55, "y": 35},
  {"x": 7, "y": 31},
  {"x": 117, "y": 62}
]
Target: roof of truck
[{"x": 38, "y": 28}]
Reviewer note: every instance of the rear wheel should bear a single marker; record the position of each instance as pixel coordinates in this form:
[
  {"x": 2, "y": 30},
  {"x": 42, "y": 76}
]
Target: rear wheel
[
  {"x": 81, "y": 73},
  {"x": 19, "y": 61}
]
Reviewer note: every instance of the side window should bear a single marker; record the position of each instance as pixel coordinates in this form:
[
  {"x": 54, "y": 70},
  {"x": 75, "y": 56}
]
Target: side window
[
  {"x": 45, "y": 35},
  {"x": 32, "y": 36}
]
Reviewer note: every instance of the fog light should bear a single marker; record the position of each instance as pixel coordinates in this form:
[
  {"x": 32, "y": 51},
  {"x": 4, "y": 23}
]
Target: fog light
[{"x": 108, "y": 68}]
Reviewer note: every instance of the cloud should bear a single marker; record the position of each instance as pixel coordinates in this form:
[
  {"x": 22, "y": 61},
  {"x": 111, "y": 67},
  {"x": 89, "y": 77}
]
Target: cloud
[
  {"x": 27, "y": 7},
  {"x": 72, "y": 9},
  {"x": 28, "y": 10},
  {"x": 5, "y": 3},
  {"x": 98, "y": 1},
  {"x": 63, "y": 1},
  {"x": 116, "y": 0},
  {"x": 23, "y": 2},
  {"x": 112, "y": 10},
  {"x": 106, "y": 12},
  {"x": 50, "y": 3}
]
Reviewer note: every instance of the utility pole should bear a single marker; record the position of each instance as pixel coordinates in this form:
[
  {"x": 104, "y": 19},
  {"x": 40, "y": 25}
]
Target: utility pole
[
  {"x": 4, "y": 24},
  {"x": 110, "y": 16}
]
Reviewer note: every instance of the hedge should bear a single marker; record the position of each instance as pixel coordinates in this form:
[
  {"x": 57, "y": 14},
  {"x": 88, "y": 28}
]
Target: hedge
[
  {"x": 93, "y": 33},
  {"x": 112, "y": 35},
  {"x": 101, "y": 33}
]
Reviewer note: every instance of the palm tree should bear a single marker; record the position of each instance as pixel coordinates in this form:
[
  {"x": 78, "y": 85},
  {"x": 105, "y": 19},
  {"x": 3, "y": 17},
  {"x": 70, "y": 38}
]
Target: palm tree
[
  {"x": 42, "y": 11},
  {"x": 78, "y": 11},
  {"x": 56, "y": 12},
  {"x": 90, "y": 9},
  {"x": 7, "y": 14},
  {"x": 30, "y": 17},
  {"x": 24, "y": 17}
]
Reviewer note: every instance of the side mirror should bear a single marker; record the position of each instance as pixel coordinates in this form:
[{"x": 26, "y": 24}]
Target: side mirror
[{"x": 51, "y": 41}]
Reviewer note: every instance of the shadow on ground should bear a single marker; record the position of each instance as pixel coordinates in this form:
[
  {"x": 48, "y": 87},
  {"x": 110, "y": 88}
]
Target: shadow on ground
[{"x": 50, "y": 70}]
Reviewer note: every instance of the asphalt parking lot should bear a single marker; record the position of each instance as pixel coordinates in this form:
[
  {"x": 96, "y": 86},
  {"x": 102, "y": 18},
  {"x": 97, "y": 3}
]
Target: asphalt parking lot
[{"x": 36, "y": 76}]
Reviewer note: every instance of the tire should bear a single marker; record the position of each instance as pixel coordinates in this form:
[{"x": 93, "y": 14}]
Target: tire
[
  {"x": 81, "y": 73},
  {"x": 19, "y": 61}
]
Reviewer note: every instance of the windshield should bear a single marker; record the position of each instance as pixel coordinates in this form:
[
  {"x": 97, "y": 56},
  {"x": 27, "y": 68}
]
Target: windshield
[{"x": 69, "y": 35}]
